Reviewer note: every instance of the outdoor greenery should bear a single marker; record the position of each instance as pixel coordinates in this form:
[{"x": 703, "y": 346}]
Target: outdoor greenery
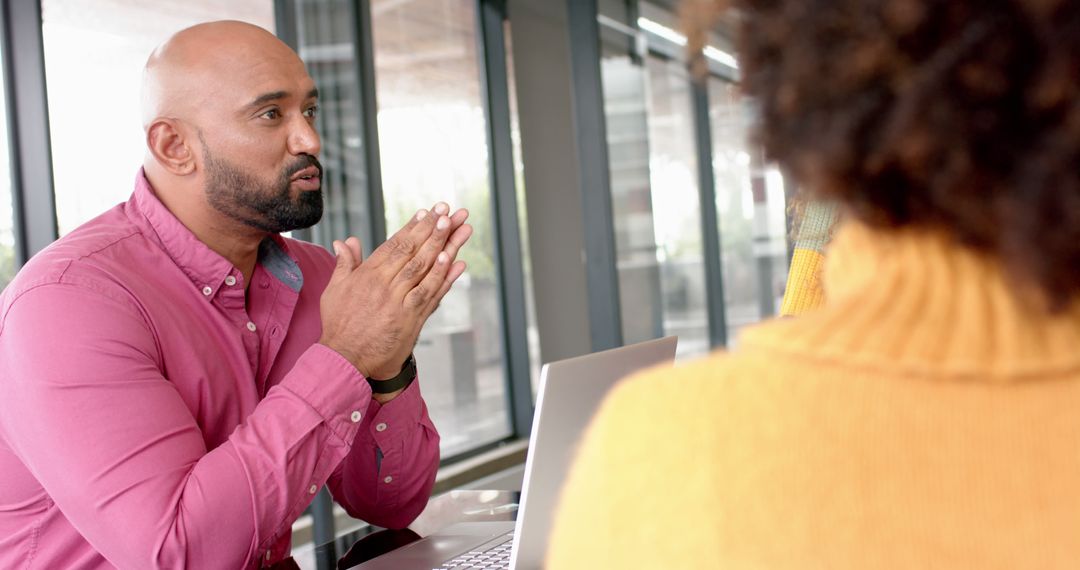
[{"x": 7, "y": 264}]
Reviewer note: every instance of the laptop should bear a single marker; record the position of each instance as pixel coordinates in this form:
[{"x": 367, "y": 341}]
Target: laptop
[{"x": 569, "y": 394}]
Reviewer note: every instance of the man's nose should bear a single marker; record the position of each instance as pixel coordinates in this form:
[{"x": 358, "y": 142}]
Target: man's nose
[{"x": 303, "y": 138}]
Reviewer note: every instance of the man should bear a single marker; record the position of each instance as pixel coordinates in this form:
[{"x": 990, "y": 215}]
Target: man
[{"x": 176, "y": 379}]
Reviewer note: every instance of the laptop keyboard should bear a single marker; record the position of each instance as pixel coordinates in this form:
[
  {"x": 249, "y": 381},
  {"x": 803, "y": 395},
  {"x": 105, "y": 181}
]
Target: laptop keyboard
[{"x": 495, "y": 557}]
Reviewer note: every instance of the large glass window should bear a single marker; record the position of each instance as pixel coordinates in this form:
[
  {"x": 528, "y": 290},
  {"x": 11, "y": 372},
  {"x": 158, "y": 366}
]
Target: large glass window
[
  {"x": 532, "y": 331},
  {"x": 625, "y": 110},
  {"x": 654, "y": 187},
  {"x": 94, "y": 119},
  {"x": 7, "y": 215},
  {"x": 676, "y": 205},
  {"x": 433, "y": 146},
  {"x": 751, "y": 209},
  {"x": 653, "y": 158},
  {"x": 327, "y": 44}
]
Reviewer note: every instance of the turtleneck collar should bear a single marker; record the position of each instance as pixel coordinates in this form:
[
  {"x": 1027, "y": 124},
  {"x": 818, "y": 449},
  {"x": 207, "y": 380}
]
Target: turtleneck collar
[{"x": 913, "y": 301}]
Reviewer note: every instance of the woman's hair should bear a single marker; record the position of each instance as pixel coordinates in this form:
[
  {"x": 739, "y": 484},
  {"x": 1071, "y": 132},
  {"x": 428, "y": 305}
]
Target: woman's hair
[{"x": 955, "y": 114}]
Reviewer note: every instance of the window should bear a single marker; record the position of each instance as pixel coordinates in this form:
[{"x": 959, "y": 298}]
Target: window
[
  {"x": 433, "y": 146},
  {"x": 652, "y": 157},
  {"x": 327, "y": 44},
  {"x": 624, "y": 85},
  {"x": 751, "y": 210},
  {"x": 7, "y": 214},
  {"x": 533, "y": 332},
  {"x": 95, "y": 124},
  {"x": 676, "y": 205}
]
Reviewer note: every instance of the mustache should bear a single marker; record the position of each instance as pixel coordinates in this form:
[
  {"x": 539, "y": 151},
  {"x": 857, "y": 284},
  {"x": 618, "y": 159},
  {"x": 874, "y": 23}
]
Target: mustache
[{"x": 302, "y": 162}]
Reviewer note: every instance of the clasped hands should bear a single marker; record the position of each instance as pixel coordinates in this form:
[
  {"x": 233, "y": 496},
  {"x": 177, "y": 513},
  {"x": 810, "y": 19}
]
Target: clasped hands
[{"x": 373, "y": 309}]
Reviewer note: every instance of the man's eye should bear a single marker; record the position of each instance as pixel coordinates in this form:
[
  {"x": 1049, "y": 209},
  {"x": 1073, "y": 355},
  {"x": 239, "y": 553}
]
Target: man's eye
[
  {"x": 310, "y": 112},
  {"x": 271, "y": 114}
]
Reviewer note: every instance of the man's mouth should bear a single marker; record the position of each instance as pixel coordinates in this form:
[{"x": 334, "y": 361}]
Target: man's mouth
[
  {"x": 307, "y": 173},
  {"x": 308, "y": 178}
]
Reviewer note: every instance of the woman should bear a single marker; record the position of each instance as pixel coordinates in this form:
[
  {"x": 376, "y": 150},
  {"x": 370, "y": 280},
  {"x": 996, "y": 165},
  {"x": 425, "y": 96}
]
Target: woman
[{"x": 928, "y": 414}]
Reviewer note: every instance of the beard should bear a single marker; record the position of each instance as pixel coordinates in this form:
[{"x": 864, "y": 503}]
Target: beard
[{"x": 265, "y": 206}]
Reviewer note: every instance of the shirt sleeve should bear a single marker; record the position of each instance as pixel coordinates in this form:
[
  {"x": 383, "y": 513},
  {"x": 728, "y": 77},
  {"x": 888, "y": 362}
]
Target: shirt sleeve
[
  {"x": 86, "y": 407},
  {"x": 387, "y": 478}
]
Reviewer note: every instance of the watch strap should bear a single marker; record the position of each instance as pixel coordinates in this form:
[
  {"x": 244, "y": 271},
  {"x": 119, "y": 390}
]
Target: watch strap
[{"x": 403, "y": 378}]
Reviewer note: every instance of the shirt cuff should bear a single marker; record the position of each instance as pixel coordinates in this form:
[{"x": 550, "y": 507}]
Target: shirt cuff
[
  {"x": 333, "y": 387},
  {"x": 406, "y": 410}
]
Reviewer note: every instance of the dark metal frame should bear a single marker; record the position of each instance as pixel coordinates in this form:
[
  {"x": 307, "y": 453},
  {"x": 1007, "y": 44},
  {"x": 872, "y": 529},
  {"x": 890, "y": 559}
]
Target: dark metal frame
[
  {"x": 491, "y": 47},
  {"x": 365, "y": 61},
  {"x": 33, "y": 201},
  {"x": 710, "y": 222},
  {"x": 601, "y": 273}
]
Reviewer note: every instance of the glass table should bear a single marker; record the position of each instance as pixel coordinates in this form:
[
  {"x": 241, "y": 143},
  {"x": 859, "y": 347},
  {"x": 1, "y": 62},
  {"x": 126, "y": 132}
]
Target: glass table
[{"x": 351, "y": 548}]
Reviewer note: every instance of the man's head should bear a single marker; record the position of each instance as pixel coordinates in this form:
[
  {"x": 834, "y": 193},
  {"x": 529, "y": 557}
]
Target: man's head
[{"x": 229, "y": 113}]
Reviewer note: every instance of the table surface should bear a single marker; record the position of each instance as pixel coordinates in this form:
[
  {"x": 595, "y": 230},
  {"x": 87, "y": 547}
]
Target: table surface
[{"x": 355, "y": 547}]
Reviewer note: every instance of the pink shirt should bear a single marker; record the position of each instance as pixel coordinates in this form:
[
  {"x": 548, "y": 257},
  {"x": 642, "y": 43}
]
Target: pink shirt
[{"x": 150, "y": 418}]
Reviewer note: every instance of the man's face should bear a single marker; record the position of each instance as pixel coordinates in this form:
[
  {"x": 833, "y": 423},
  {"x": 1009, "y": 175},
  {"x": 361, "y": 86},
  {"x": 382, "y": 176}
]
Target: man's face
[
  {"x": 259, "y": 146},
  {"x": 267, "y": 205}
]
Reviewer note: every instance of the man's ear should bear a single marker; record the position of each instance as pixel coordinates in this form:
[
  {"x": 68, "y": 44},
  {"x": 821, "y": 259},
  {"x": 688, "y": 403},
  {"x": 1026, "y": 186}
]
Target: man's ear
[{"x": 170, "y": 147}]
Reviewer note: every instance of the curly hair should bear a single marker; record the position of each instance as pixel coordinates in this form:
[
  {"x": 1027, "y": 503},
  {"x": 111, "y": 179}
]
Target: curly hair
[{"x": 962, "y": 115}]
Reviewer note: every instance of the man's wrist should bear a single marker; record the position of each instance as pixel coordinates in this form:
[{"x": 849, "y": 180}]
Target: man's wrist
[{"x": 396, "y": 383}]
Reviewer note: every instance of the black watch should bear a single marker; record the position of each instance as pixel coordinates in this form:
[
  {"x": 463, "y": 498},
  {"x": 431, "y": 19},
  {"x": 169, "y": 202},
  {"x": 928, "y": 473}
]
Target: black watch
[{"x": 403, "y": 378}]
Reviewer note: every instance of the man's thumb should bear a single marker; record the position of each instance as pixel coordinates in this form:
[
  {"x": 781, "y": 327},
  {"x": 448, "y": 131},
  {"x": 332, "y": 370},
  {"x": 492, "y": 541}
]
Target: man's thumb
[{"x": 345, "y": 260}]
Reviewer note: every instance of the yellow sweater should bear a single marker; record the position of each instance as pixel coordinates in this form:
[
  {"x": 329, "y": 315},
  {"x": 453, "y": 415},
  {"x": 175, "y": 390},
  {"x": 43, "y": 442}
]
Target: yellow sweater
[
  {"x": 923, "y": 418},
  {"x": 804, "y": 291}
]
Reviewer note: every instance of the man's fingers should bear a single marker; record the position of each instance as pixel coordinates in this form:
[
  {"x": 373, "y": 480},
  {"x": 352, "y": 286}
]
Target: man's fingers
[
  {"x": 417, "y": 267},
  {"x": 345, "y": 261},
  {"x": 401, "y": 247},
  {"x": 357, "y": 250},
  {"x": 449, "y": 247},
  {"x": 456, "y": 270},
  {"x": 459, "y": 217},
  {"x": 458, "y": 239},
  {"x": 419, "y": 296}
]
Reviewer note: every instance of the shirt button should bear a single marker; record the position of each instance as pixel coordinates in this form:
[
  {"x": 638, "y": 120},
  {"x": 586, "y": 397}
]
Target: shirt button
[
  {"x": 381, "y": 426},
  {"x": 268, "y": 556},
  {"x": 355, "y": 417},
  {"x": 230, "y": 281},
  {"x": 251, "y": 326},
  {"x": 264, "y": 284},
  {"x": 312, "y": 489},
  {"x": 207, "y": 290},
  {"x": 388, "y": 479}
]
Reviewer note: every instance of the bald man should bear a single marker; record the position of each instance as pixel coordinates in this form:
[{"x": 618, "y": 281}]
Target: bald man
[{"x": 177, "y": 380}]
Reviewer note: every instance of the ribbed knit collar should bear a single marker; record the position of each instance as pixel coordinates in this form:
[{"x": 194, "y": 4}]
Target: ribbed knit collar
[{"x": 915, "y": 302}]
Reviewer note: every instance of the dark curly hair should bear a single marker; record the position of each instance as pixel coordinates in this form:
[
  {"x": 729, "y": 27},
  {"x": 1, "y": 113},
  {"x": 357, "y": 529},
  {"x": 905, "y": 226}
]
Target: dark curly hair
[{"x": 954, "y": 114}]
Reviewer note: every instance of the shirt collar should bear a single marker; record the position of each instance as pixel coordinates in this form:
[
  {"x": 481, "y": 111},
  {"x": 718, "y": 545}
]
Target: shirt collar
[{"x": 206, "y": 268}]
